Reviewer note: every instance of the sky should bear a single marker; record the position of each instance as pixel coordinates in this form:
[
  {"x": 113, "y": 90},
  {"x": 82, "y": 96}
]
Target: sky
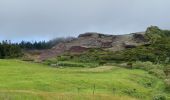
[{"x": 46, "y": 19}]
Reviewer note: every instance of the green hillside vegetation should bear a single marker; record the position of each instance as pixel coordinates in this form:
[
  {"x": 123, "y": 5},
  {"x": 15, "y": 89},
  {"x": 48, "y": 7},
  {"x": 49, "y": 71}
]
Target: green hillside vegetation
[
  {"x": 157, "y": 51},
  {"x": 24, "y": 81}
]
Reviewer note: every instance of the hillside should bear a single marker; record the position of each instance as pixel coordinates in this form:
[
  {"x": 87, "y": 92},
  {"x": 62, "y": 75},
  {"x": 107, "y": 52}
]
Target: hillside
[
  {"x": 96, "y": 40},
  {"x": 151, "y": 45}
]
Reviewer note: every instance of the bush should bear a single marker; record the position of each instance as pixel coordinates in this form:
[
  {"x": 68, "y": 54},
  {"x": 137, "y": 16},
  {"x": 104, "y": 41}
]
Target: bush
[
  {"x": 63, "y": 58},
  {"x": 87, "y": 58},
  {"x": 143, "y": 65},
  {"x": 27, "y": 58},
  {"x": 129, "y": 65},
  {"x": 157, "y": 72},
  {"x": 155, "y": 69},
  {"x": 130, "y": 91},
  {"x": 159, "y": 97},
  {"x": 147, "y": 66},
  {"x": 133, "y": 92},
  {"x": 102, "y": 62},
  {"x": 167, "y": 70},
  {"x": 167, "y": 84}
]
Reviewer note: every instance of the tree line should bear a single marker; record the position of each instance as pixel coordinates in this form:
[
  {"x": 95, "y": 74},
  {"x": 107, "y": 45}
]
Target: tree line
[
  {"x": 13, "y": 50},
  {"x": 43, "y": 44},
  {"x": 9, "y": 50}
]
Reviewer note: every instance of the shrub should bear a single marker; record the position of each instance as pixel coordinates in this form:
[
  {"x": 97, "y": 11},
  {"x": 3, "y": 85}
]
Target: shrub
[
  {"x": 147, "y": 66},
  {"x": 159, "y": 97},
  {"x": 27, "y": 58},
  {"x": 155, "y": 69},
  {"x": 102, "y": 62},
  {"x": 129, "y": 65},
  {"x": 167, "y": 84},
  {"x": 133, "y": 92},
  {"x": 130, "y": 91},
  {"x": 157, "y": 72},
  {"x": 87, "y": 58},
  {"x": 143, "y": 65},
  {"x": 63, "y": 58},
  {"x": 50, "y": 61},
  {"x": 167, "y": 70}
]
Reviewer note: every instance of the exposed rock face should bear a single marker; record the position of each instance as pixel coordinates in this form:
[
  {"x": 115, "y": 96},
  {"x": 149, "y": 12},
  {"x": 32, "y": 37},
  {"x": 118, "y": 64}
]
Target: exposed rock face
[
  {"x": 77, "y": 49},
  {"x": 96, "y": 40},
  {"x": 55, "y": 51},
  {"x": 139, "y": 37}
]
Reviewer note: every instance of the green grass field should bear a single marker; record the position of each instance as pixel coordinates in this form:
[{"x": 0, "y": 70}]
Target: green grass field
[{"x": 30, "y": 81}]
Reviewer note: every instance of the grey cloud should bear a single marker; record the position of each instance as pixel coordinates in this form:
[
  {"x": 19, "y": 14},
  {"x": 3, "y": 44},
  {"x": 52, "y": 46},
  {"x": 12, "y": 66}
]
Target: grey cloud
[{"x": 45, "y": 19}]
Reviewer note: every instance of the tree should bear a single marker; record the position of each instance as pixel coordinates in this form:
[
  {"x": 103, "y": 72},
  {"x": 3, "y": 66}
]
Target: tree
[
  {"x": 9, "y": 50},
  {"x": 153, "y": 33}
]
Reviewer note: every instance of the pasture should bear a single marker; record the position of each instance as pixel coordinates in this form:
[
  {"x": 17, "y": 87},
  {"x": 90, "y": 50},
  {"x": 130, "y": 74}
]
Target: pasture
[{"x": 21, "y": 80}]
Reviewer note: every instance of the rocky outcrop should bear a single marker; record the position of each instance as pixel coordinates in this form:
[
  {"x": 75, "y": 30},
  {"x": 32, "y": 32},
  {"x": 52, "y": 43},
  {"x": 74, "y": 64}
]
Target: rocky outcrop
[
  {"x": 139, "y": 37},
  {"x": 78, "y": 49},
  {"x": 96, "y": 40}
]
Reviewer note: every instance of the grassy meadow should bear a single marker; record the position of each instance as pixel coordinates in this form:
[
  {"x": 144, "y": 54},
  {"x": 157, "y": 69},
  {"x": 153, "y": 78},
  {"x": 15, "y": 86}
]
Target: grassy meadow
[{"x": 21, "y": 80}]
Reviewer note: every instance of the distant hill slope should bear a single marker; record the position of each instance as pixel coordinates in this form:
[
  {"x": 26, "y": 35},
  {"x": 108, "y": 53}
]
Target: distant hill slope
[{"x": 96, "y": 40}]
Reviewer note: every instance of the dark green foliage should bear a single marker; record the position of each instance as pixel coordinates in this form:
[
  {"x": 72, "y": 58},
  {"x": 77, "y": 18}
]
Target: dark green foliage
[
  {"x": 159, "y": 97},
  {"x": 64, "y": 58},
  {"x": 153, "y": 33},
  {"x": 167, "y": 84},
  {"x": 130, "y": 92},
  {"x": 167, "y": 70},
  {"x": 157, "y": 51},
  {"x": 139, "y": 54},
  {"x": 129, "y": 65},
  {"x": 9, "y": 50},
  {"x": 43, "y": 44},
  {"x": 34, "y": 45},
  {"x": 154, "y": 69},
  {"x": 157, "y": 72},
  {"x": 102, "y": 62},
  {"x": 166, "y": 33},
  {"x": 144, "y": 65}
]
